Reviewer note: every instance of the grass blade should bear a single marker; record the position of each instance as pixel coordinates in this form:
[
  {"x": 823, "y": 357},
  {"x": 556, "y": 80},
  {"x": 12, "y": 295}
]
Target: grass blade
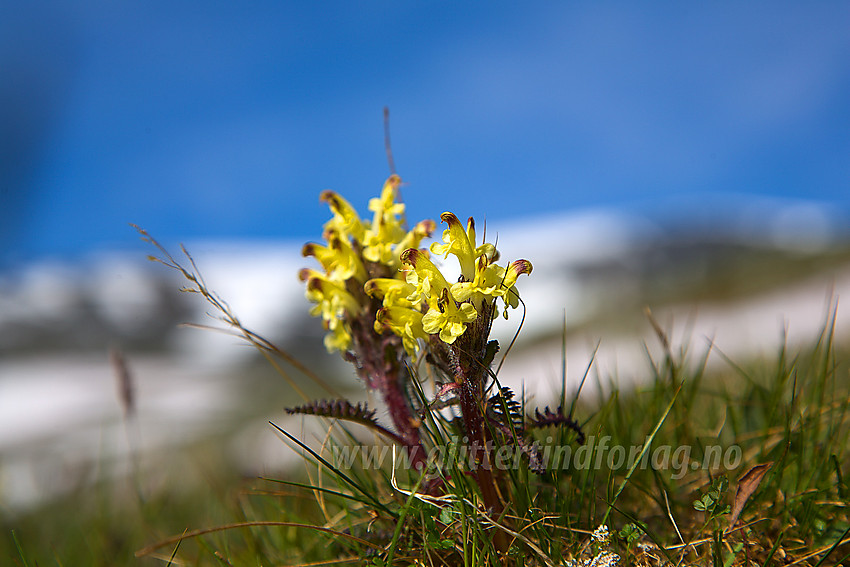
[
  {"x": 642, "y": 452},
  {"x": 354, "y": 484},
  {"x": 401, "y": 517}
]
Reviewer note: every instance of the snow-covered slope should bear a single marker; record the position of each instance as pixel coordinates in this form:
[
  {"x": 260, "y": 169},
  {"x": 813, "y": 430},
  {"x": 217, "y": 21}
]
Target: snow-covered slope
[{"x": 58, "y": 406}]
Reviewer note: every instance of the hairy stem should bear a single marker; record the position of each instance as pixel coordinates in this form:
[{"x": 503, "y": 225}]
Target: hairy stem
[
  {"x": 467, "y": 357},
  {"x": 378, "y": 362}
]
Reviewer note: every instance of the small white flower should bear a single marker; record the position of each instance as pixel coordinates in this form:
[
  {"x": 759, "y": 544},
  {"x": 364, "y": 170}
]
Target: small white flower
[
  {"x": 601, "y": 534},
  {"x": 605, "y": 559}
]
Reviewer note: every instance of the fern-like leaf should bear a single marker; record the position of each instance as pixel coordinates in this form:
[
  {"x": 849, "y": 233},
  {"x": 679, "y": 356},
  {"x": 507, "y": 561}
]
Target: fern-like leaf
[
  {"x": 510, "y": 425},
  {"x": 345, "y": 410},
  {"x": 340, "y": 409},
  {"x": 504, "y": 400},
  {"x": 558, "y": 419}
]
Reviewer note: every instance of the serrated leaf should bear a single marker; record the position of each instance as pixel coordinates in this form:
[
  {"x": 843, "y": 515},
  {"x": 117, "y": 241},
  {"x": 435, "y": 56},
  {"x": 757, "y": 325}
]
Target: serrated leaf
[
  {"x": 339, "y": 409},
  {"x": 556, "y": 418},
  {"x": 498, "y": 403},
  {"x": 343, "y": 409}
]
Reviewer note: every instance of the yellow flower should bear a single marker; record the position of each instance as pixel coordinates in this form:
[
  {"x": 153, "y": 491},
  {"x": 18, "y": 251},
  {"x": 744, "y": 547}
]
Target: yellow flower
[
  {"x": 510, "y": 294},
  {"x": 427, "y": 279},
  {"x": 461, "y": 243},
  {"x": 345, "y": 221},
  {"x": 404, "y": 322},
  {"x": 394, "y": 292},
  {"x": 333, "y": 302},
  {"x": 338, "y": 339},
  {"x": 338, "y": 259},
  {"x": 418, "y": 302},
  {"x": 447, "y": 317},
  {"x": 387, "y": 211},
  {"x": 481, "y": 279},
  {"x": 444, "y": 315},
  {"x": 356, "y": 250},
  {"x": 412, "y": 239},
  {"x": 485, "y": 282},
  {"x": 492, "y": 281},
  {"x": 380, "y": 240}
]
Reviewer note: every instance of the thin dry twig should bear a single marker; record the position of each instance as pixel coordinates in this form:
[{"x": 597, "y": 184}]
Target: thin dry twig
[
  {"x": 196, "y": 533},
  {"x": 199, "y": 286}
]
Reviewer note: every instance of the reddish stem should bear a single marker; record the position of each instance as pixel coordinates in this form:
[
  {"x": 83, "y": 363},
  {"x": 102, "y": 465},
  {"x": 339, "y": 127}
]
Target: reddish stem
[
  {"x": 377, "y": 358},
  {"x": 470, "y": 395}
]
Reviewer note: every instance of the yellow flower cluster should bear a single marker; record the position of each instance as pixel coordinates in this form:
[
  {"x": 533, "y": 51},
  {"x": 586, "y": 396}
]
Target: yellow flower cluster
[
  {"x": 356, "y": 250},
  {"x": 381, "y": 259},
  {"x": 426, "y": 304}
]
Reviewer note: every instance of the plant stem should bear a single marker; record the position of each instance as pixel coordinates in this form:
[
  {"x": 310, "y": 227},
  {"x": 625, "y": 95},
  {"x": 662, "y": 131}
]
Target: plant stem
[
  {"x": 467, "y": 360},
  {"x": 469, "y": 395},
  {"x": 378, "y": 363},
  {"x": 478, "y": 440}
]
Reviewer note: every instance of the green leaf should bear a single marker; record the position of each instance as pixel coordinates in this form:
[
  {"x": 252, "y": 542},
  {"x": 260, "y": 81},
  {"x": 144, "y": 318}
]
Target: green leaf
[{"x": 631, "y": 532}]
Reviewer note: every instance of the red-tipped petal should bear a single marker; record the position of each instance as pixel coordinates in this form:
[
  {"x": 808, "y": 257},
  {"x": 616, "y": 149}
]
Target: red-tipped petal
[{"x": 411, "y": 256}]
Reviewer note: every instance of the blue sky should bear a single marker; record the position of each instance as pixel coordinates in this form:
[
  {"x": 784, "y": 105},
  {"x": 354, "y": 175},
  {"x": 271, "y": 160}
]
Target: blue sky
[{"x": 225, "y": 120}]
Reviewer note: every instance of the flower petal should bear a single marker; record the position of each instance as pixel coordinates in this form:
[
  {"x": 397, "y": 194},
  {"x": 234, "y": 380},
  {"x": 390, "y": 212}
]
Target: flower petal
[{"x": 457, "y": 242}]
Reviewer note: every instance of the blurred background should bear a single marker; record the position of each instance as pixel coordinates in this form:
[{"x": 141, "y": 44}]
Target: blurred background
[{"x": 690, "y": 158}]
